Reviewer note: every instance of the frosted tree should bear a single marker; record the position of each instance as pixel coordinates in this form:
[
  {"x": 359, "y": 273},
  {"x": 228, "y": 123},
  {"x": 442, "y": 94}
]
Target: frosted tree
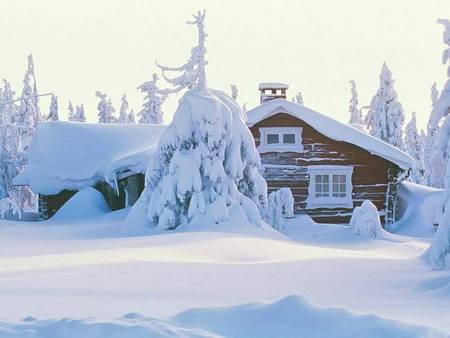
[
  {"x": 355, "y": 112},
  {"x": 71, "y": 112},
  {"x": 151, "y": 111},
  {"x": 206, "y": 161},
  {"x": 123, "y": 113},
  {"x": 439, "y": 251},
  {"x": 298, "y": 98},
  {"x": 53, "y": 110},
  {"x": 130, "y": 117},
  {"x": 414, "y": 147},
  {"x": 234, "y": 92},
  {"x": 8, "y": 107},
  {"x": 385, "y": 117},
  {"x": 105, "y": 109},
  {"x": 80, "y": 115},
  {"x": 280, "y": 206}
]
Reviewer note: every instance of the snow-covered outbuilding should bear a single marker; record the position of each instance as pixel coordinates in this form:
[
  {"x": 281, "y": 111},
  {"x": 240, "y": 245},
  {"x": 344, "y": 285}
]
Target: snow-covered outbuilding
[
  {"x": 65, "y": 157},
  {"x": 331, "y": 167}
]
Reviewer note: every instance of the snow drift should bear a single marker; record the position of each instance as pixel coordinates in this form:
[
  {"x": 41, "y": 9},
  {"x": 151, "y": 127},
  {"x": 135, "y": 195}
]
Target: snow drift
[{"x": 289, "y": 317}]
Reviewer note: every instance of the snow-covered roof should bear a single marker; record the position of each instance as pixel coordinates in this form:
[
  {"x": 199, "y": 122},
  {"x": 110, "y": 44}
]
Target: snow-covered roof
[
  {"x": 72, "y": 155},
  {"x": 331, "y": 128},
  {"x": 273, "y": 85}
]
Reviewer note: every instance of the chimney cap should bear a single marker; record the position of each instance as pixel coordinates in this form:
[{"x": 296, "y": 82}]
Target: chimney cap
[{"x": 272, "y": 85}]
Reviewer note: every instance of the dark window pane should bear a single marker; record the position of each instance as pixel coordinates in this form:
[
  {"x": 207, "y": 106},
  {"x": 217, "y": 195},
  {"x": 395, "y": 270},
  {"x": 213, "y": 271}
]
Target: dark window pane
[
  {"x": 289, "y": 138},
  {"x": 273, "y": 138}
]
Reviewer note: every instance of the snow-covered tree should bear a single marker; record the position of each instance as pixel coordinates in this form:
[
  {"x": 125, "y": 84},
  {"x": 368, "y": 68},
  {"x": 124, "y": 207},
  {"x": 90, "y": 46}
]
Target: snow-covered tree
[
  {"x": 234, "y": 92},
  {"x": 439, "y": 251},
  {"x": 365, "y": 221},
  {"x": 281, "y": 206},
  {"x": 71, "y": 112},
  {"x": 440, "y": 161},
  {"x": 105, "y": 109},
  {"x": 298, "y": 98},
  {"x": 385, "y": 117},
  {"x": 206, "y": 161},
  {"x": 130, "y": 117},
  {"x": 123, "y": 113},
  {"x": 414, "y": 147},
  {"x": 355, "y": 112},
  {"x": 53, "y": 110},
  {"x": 431, "y": 159},
  {"x": 151, "y": 111},
  {"x": 8, "y": 106},
  {"x": 80, "y": 116}
]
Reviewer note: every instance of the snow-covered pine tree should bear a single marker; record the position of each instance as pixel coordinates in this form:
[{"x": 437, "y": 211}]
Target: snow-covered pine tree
[
  {"x": 385, "y": 117},
  {"x": 431, "y": 158},
  {"x": 439, "y": 171},
  {"x": 80, "y": 116},
  {"x": 53, "y": 110},
  {"x": 8, "y": 108},
  {"x": 298, "y": 98},
  {"x": 105, "y": 109},
  {"x": 234, "y": 92},
  {"x": 206, "y": 161},
  {"x": 151, "y": 111},
  {"x": 414, "y": 147},
  {"x": 123, "y": 113},
  {"x": 439, "y": 251},
  {"x": 130, "y": 117},
  {"x": 71, "y": 112},
  {"x": 355, "y": 112}
]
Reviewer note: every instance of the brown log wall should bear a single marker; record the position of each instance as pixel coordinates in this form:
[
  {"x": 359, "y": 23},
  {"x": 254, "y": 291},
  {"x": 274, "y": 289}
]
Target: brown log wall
[{"x": 370, "y": 172}]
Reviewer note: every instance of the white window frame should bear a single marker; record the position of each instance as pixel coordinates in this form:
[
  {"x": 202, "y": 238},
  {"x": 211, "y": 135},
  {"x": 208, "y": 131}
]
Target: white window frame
[
  {"x": 330, "y": 201},
  {"x": 280, "y": 147}
]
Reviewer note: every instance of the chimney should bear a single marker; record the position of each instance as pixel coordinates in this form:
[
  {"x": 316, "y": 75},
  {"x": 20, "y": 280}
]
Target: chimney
[{"x": 270, "y": 91}]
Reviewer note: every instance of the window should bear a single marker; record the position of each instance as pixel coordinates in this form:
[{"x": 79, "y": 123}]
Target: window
[
  {"x": 280, "y": 139},
  {"x": 330, "y": 186}
]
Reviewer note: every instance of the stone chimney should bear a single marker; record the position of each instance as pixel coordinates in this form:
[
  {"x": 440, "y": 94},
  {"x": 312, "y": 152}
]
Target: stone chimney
[{"x": 270, "y": 91}]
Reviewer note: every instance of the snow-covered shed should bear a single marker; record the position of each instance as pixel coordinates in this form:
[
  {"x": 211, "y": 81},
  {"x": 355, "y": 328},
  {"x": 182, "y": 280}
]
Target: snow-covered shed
[
  {"x": 65, "y": 157},
  {"x": 331, "y": 167}
]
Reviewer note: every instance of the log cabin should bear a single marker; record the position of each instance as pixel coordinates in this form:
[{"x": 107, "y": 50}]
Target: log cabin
[{"x": 330, "y": 167}]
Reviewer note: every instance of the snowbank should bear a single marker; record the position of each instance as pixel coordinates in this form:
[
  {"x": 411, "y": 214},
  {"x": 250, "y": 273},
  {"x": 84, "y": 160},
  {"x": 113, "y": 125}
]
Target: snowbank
[
  {"x": 88, "y": 202},
  {"x": 289, "y": 317},
  {"x": 331, "y": 128},
  {"x": 71, "y": 155},
  {"x": 365, "y": 221},
  {"x": 420, "y": 209}
]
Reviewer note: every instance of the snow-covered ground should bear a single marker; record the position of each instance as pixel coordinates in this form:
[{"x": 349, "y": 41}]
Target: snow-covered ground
[{"x": 95, "y": 271}]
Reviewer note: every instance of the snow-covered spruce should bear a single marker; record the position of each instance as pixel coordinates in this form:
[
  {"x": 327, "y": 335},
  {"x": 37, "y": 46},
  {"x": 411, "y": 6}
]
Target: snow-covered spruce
[
  {"x": 439, "y": 251},
  {"x": 206, "y": 162},
  {"x": 80, "y": 116},
  {"x": 123, "y": 112},
  {"x": 70, "y": 112},
  {"x": 414, "y": 147},
  {"x": 130, "y": 117},
  {"x": 385, "y": 117},
  {"x": 298, "y": 98},
  {"x": 105, "y": 109},
  {"x": 441, "y": 153},
  {"x": 281, "y": 206},
  {"x": 53, "y": 110},
  {"x": 365, "y": 221},
  {"x": 151, "y": 111},
  {"x": 355, "y": 112}
]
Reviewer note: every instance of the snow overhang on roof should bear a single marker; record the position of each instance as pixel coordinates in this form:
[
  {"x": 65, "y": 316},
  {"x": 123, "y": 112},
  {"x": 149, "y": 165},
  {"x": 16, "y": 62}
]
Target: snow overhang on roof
[
  {"x": 73, "y": 155},
  {"x": 331, "y": 128},
  {"x": 272, "y": 85}
]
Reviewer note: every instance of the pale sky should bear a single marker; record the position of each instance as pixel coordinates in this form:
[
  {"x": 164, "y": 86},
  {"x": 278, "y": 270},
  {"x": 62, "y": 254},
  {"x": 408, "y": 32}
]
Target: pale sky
[{"x": 316, "y": 47}]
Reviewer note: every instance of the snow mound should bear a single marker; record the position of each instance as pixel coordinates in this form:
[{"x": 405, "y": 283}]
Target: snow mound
[
  {"x": 71, "y": 155},
  {"x": 289, "y": 317},
  {"x": 331, "y": 128},
  {"x": 86, "y": 203},
  {"x": 420, "y": 209},
  {"x": 365, "y": 221}
]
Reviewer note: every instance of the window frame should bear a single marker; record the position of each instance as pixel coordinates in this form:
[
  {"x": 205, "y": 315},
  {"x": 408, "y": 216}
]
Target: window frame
[
  {"x": 330, "y": 201},
  {"x": 280, "y": 146}
]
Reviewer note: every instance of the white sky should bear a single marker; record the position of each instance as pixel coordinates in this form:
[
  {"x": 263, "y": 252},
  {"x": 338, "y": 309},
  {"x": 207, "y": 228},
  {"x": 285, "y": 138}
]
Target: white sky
[{"x": 81, "y": 46}]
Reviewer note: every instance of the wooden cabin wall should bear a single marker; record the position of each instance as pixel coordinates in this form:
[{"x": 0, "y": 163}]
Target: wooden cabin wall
[{"x": 370, "y": 177}]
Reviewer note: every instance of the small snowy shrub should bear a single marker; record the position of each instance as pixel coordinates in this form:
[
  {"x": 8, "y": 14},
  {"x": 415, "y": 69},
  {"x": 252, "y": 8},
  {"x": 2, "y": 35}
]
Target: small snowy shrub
[
  {"x": 281, "y": 205},
  {"x": 365, "y": 221},
  {"x": 439, "y": 251},
  {"x": 9, "y": 208}
]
